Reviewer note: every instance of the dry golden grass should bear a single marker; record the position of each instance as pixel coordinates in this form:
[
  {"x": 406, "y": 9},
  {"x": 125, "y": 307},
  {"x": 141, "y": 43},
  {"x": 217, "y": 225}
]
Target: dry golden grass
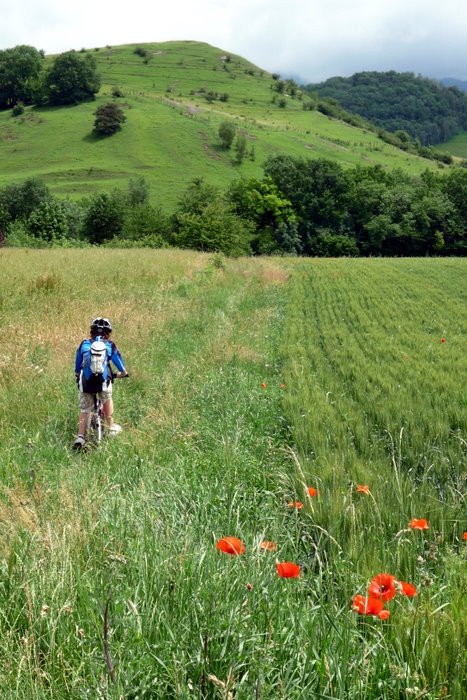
[
  {"x": 52, "y": 517},
  {"x": 50, "y": 299},
  {"x": 17, "y": 511},
  {"x": 274, "y": 275}
]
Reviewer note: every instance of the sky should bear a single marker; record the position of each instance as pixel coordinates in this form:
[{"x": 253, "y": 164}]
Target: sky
[{"x": 309, "y": 40}]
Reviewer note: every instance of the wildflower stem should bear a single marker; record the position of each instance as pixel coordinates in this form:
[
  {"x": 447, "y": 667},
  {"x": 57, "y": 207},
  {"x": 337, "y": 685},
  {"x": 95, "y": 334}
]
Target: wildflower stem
[{"x": 108, "y": 658}]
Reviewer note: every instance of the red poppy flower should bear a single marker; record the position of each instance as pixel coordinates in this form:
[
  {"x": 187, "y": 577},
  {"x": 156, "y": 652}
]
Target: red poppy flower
[
  {"x": 384, "y": 614},
  {"x": 312, "y": 491},
  {"x": 418, "y": 524},
  {"x": 382, "y": 587},
  {"x": 288, "y": 569},
  {"x": 249, "y": 586},
  {"x": 367, "y": 606},
  {"x": 407, "y": 589},
  {"x": 269, "y": 546},
  {"x": 263, "y": 385},
  {"x": 465, "y": 536},
  {"x": 231, "y": 545},
  {"x": 443, "y": 340},
  {"x": 295, "y": 504},
  {"x": 363, "y": 489}
]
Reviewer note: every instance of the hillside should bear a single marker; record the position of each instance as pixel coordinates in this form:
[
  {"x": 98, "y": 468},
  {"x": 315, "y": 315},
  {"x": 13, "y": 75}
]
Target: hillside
[
  {"x": 457, "y": 146},
  {"x": 425, "y": 109},
  {"x": 175, "y": 95}
]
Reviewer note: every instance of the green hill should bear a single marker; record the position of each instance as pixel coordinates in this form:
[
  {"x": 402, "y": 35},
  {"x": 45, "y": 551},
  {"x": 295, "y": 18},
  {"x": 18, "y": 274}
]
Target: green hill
[
  {"x": 424, "y": 108},
  {"x": 175, "y": 95}
]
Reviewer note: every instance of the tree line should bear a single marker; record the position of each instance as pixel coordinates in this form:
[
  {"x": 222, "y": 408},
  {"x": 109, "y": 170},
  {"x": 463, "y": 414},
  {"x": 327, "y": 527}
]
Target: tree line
[
  {"x": 423, "y": 109},
  {"x": 299, "y": 207}
]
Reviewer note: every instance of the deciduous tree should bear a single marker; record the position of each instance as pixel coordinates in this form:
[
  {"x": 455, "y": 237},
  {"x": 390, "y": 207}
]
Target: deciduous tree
[
  {"x": 72, "y": 79},
  {"x": 48, "y": 221},
  {"x": 19, "y": 200},
  {"x": 105, "y": 217},
  {"x": 20, "y": 70},
  {"x": 205, "y": 221}
]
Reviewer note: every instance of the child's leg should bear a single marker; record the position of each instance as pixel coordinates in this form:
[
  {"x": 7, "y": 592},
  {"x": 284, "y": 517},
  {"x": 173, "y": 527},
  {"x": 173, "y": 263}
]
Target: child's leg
[
  {"x": 109, "y": 412},
  {"x": 108, "y": 404},
  {"x": 83, "y": 424},
  {"x": 86, "y": 403},
  {"x": 112, "y": 427}
]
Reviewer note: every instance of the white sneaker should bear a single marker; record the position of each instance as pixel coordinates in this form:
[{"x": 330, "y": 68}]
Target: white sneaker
[
  {"x": 79, "y": 442},
  {"x": 115, "y": 429}
]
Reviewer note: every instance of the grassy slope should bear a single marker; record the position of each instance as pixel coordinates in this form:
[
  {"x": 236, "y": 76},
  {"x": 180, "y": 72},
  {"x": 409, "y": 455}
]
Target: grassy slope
[
  {"x": 208, "y": 452},
  {"x": 457, "y": 145},
  {"x": 170, "y": 135}
]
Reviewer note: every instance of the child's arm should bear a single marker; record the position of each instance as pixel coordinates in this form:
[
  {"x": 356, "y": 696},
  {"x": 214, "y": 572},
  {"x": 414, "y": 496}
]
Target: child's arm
[
  {"x": 117, "y": 360},
  {"x": 78, "y": 361}
]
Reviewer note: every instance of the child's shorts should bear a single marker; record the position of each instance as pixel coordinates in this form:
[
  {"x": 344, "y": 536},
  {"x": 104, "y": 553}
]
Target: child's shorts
[{"x": 86, "y": 401}]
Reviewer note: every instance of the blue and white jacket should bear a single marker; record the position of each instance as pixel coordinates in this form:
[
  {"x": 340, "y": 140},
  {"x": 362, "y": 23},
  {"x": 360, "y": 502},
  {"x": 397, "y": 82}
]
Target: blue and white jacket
[{"x": 113, "y": 356}]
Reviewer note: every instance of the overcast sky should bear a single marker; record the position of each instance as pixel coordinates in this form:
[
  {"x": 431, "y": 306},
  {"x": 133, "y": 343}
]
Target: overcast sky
[{"x": 309, "y": 39}]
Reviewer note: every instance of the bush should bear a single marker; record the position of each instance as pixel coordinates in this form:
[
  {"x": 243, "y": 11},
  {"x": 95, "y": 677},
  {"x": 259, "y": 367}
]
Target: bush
[
  {"x": 146, "y": 223},
  {"x": 48, "y": 222},
  {"x": 151, "y": 241},
  {"x": 18, "y": 236},
  {"x": 18, "y": 109},
  {"x": 226, "y": 133},
  {"x": 327, "y": 244},
  {"x": 109, "y": 119}
]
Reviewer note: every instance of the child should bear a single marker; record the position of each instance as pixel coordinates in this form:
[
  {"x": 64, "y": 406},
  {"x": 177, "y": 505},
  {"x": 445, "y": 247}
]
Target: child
[{"x": 89, "y": 384}]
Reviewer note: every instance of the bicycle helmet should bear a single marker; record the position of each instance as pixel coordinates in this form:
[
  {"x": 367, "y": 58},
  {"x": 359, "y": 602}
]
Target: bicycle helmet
[{"x": 101, "y": 326}]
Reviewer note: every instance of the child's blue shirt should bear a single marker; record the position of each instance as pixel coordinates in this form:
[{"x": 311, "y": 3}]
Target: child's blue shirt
[{"x": 113, "y": 355}]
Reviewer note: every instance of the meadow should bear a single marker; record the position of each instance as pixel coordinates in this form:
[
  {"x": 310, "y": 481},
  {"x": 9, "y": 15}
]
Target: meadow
[
  {"x": 317, "y": 405},
  {"x": 171, "y": 133},
  {"x": 458, "y": 145}
]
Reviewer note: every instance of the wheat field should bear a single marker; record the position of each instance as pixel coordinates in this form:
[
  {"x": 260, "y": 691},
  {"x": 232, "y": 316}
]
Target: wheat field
[{"x": 316, "y": 405}]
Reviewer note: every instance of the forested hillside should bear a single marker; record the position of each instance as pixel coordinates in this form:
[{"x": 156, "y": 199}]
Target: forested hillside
[{"x": 423, "y": 108}]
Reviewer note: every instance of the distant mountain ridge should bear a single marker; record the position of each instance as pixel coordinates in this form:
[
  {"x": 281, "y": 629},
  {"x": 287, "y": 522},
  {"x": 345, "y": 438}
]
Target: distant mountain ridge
[
  {"x": 423, "y": 108},
  {"x": 455, "y": 82}
]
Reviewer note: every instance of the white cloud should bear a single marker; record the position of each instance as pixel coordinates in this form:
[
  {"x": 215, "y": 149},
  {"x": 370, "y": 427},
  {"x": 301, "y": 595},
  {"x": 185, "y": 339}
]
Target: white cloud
[{"x": 311, "y": 38}]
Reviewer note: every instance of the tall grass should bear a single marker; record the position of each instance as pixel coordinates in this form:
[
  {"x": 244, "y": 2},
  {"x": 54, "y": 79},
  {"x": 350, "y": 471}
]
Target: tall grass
[{"x": 250, "y": 381}]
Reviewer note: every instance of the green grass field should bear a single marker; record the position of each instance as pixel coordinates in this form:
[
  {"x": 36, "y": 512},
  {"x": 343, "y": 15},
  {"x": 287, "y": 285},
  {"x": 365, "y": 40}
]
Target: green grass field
[
  {"x": 457, "y": 145},
  {"x": 251, "y": 381},
  {"x": 171, "y": 132}
]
